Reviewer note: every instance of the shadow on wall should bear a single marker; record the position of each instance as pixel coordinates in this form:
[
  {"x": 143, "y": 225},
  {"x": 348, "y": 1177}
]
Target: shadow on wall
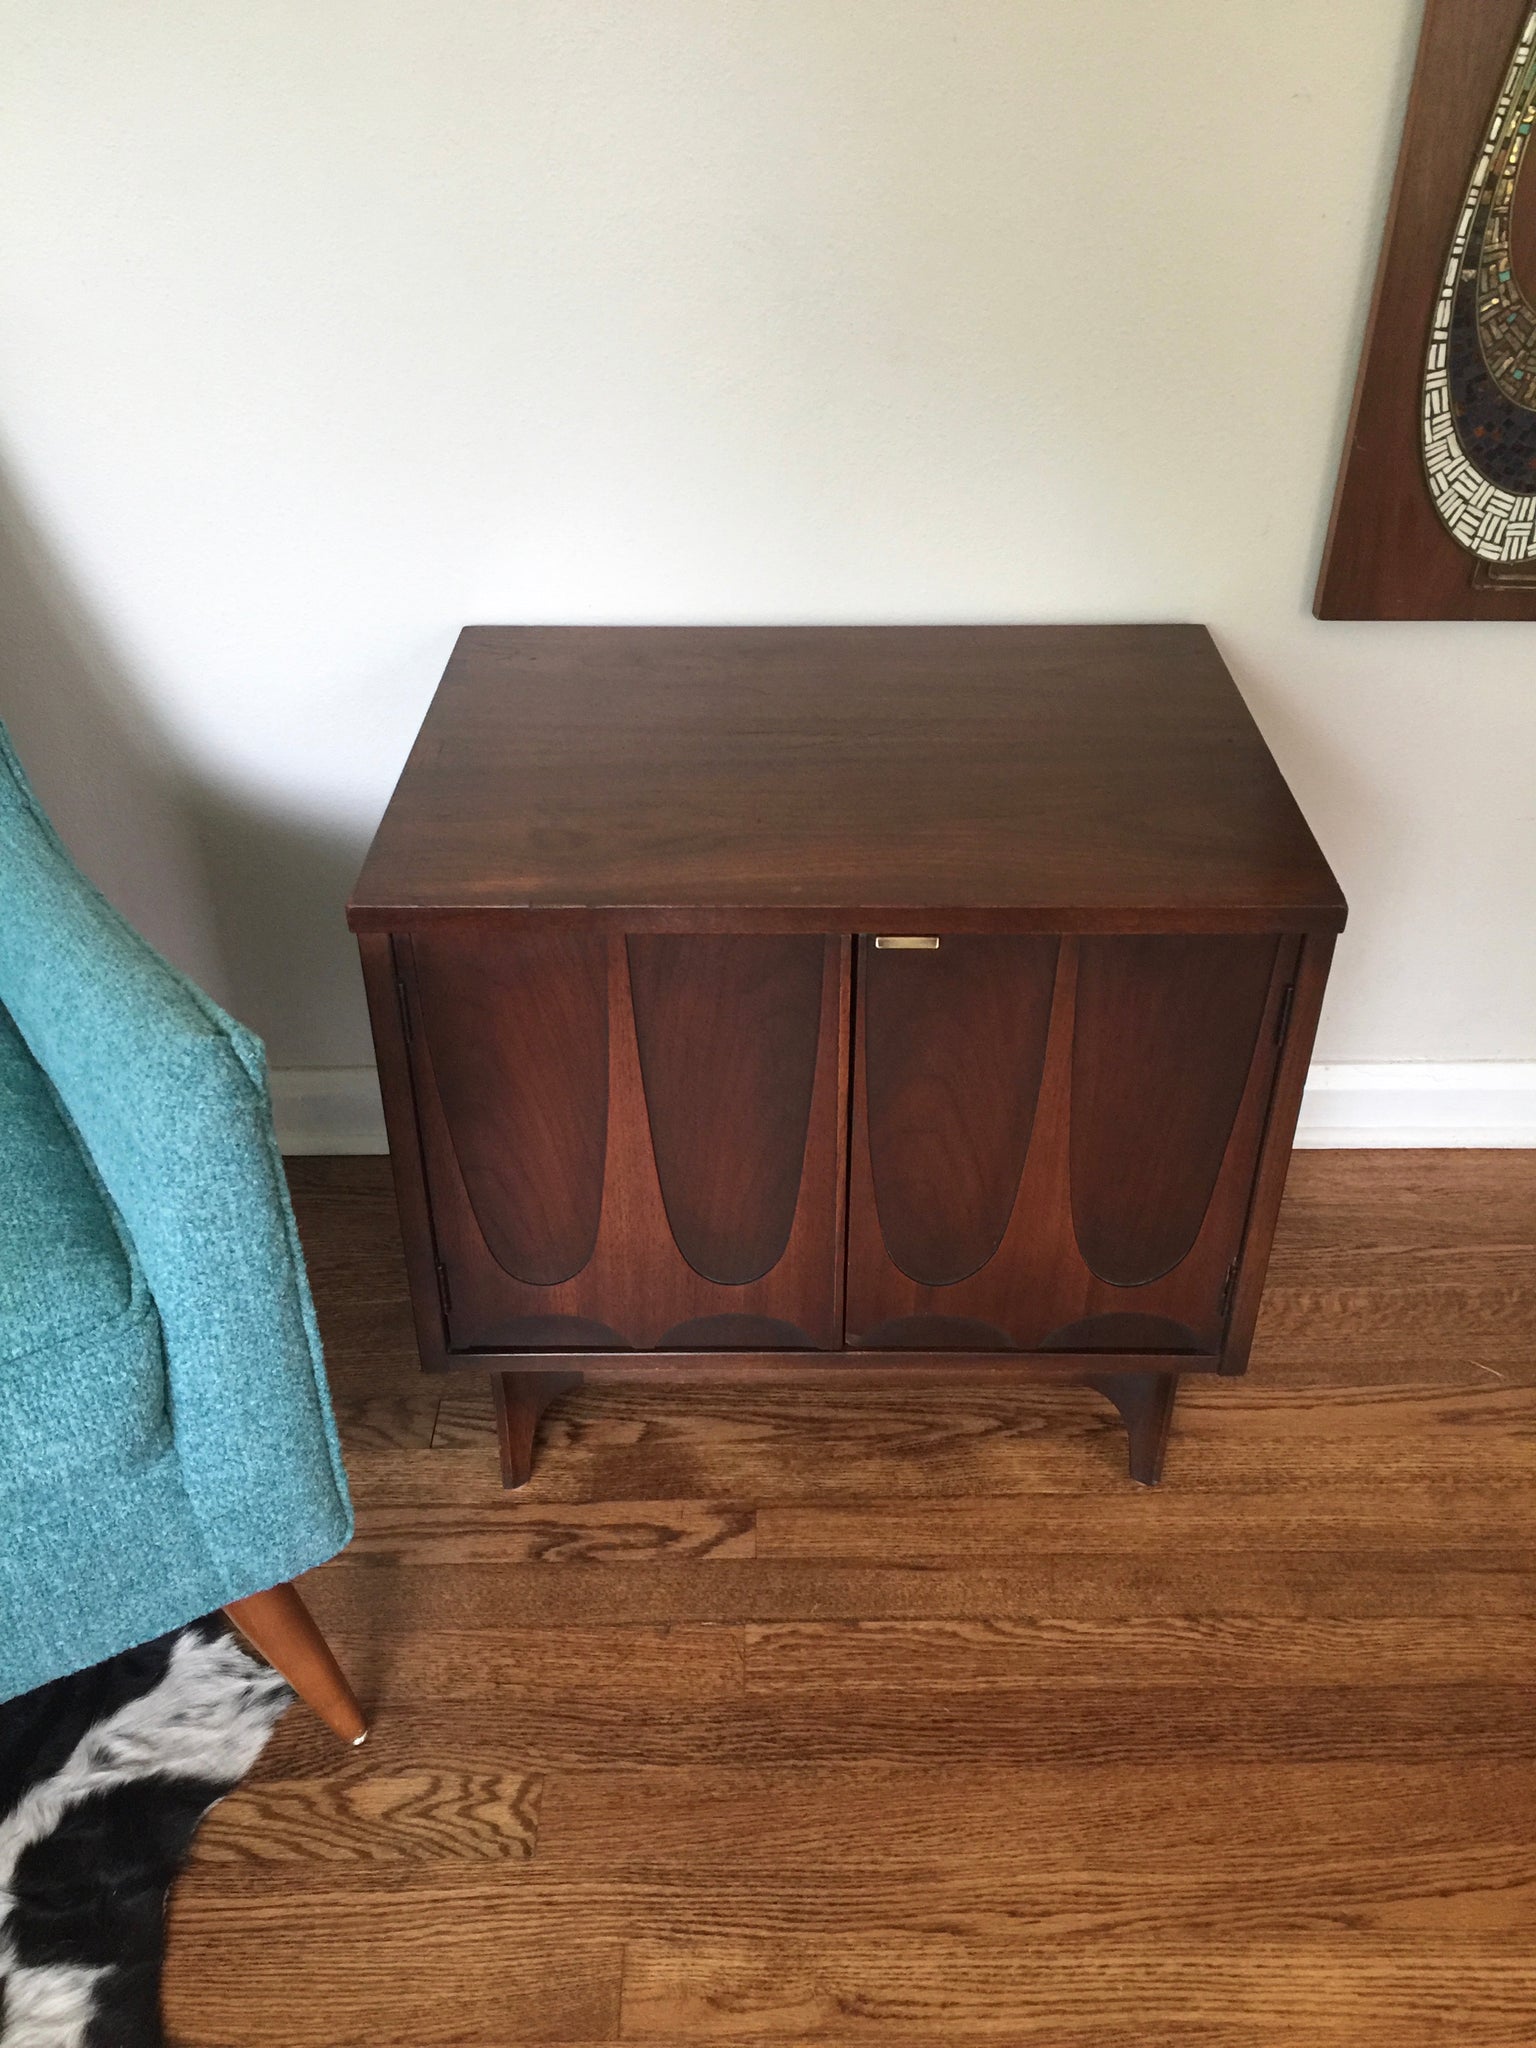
[{"x": 250, "y": 905}]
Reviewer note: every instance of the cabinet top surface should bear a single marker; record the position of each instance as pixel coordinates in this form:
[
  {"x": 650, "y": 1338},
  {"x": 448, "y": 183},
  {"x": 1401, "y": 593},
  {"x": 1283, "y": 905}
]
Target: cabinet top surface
[{"x": 1070, "y": 776}]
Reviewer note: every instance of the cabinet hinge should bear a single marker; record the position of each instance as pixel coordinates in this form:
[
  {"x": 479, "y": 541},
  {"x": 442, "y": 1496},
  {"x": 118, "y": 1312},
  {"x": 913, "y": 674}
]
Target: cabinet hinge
[
  {"x": 444, "y": 1296},
  {"x": 1283, "y": 1019},
  {"x": 1227, "y": 1288},
  {"x": 402, "y": 997}
]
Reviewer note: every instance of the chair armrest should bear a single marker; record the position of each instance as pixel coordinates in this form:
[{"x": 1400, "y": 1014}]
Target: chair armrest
[{"x": 169, "y": 1097}]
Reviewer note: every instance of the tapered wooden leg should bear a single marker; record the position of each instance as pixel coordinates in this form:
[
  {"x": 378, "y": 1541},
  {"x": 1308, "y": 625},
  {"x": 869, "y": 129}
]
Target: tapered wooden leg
[
  {"x": 281, "y": 1627},
  {"x": 1145, "y": 1401},
  {"x": 521, "y": 1398}
]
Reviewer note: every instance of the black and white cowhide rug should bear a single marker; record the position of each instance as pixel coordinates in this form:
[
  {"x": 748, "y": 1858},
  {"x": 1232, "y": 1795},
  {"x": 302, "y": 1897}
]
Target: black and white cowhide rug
[{"x": 104, "y": 1777}]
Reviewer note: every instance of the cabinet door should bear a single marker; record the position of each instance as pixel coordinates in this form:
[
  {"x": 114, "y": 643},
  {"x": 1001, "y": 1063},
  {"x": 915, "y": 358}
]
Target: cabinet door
[
  {"x": 1054, "y": 1141},
  {"x": 631, "y": 1143}
]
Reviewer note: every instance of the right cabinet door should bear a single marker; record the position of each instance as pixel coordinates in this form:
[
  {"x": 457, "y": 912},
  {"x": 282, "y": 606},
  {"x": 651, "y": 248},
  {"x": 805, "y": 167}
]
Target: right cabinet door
[{"x": 1055, "y": 1140}]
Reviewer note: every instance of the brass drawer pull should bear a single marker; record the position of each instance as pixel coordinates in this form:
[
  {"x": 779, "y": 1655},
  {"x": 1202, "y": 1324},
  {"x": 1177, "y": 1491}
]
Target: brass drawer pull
[{"x": 889, "y": 945}]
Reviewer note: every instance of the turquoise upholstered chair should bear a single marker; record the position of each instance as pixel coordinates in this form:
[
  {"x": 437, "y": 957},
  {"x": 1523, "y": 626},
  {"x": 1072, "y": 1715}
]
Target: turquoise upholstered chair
[{"x": 166, "y": 1439}]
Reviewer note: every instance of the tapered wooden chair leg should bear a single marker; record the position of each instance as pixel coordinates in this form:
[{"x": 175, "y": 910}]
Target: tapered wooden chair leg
[
  {"x": 521, "y": 1398},
  {"x": 282, "y": 1629},
  {"x": 1145, "y": 1402}
]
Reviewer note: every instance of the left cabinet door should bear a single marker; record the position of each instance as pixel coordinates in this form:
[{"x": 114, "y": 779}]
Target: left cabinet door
[{"x": 630, "y": 1142}]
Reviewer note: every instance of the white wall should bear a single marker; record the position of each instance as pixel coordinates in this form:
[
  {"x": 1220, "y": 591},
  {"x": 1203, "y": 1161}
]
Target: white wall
[{"x": 326, "y": 328}]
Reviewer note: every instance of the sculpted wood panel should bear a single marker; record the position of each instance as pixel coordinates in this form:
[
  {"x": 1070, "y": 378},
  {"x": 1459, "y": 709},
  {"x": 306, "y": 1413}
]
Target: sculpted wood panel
[
  {"x": 714, "y": 1202},
  {"x": 954, "y": 1047},
  {"x": 1148, "y": 1110},
  {"x": 727, "y": 1030},
  {"x": 520, "y": 1055},
  {"x": 1164, "y": 1038}
]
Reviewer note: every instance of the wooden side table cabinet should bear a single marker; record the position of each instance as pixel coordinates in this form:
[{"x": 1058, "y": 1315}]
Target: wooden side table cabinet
[{"x": 884, "y": 1003}]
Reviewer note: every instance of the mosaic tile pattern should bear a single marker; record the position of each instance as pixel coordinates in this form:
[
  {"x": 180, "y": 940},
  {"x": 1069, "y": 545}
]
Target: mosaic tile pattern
[
  {"x": 1504, "y": 319},
  {"x": 1479, "y": 417}
]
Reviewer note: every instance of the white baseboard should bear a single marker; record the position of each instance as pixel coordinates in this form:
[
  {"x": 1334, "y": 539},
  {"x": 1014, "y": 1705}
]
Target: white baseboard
[
  {"x": 1348, "y": 1106},
  {"x": 1420, "y": 1102},
  {"x": 327, "y": 1109}
]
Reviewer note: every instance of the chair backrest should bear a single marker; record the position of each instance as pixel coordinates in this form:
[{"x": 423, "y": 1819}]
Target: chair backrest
[{"x": 79, "y": 981}]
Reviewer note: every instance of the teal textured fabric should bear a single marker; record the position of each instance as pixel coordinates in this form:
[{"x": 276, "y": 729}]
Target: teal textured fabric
[
  {"x": 79, "y": 1337},
  {"x": 166, "y": 1439}
]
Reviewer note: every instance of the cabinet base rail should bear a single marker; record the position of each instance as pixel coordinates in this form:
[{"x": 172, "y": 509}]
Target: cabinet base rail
[{"x": 1142, "y": 1392}]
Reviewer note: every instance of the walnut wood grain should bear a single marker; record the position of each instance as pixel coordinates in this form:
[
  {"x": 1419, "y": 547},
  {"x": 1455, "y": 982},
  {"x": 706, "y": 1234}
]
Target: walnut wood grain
[
  {"x": 1145, "y": 1402},
  {"x": 1163, "y": 1040},
  {"x": 728, "y": 1031},
  {"x": 732, "y": 779},
  {"x": 954, "y": 1049},
  {"x": 391, "y": 1021},
  {"x": 838, "y": 1370},
  {"x": 1150, "y": 1121},
  {"x": 609, "y": 922},
  {"x": 520, "y": 1399},
  {"x": 518, "y": 1036},
  {"x": 1308, "y": 979},
  {"x": 754, "y": 1164}
]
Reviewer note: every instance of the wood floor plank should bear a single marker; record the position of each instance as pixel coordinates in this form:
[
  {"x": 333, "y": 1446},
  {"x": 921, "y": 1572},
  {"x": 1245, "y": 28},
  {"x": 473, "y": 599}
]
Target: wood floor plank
[
  {"x": 1242, "y": 1819},
  {"x": 1413, "y": 1268},
  {"x": 495, "y": 1530},
  {"x": 863, "y": 1729},
  {"x": 636, "y": 1666},
  {"x": 400, "y": 1419},
  {"x": 376, "y": 1982},
  {"x": 1482, "y": 1994},
  {"x": 1343, "y": 1206},
  {"x": 1000, "y": 1528},
  {"x": 1467, "y": 1890},
  {"x": 1219, "y": 1650},
  {"x": 1397, "y": 1333},
  {"x": 902, "y": 1719},
  {"x": 768, "y": 1447},
  {"x": 362, "y": 1593},
  {"x": 354, "y": 1812}
]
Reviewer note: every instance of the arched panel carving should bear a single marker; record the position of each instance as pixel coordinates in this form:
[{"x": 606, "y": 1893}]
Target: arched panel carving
[
  {"x": 1164, "y": 1037},
  {"x": 517, "y": 1033},
  {"x": 954, "y": 1046},
  {"x": 727, "y": 1030}
]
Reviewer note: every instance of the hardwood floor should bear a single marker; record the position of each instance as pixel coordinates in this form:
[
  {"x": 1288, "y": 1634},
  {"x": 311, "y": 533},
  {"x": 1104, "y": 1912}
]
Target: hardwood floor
[{"x": 904, "y": 1720}]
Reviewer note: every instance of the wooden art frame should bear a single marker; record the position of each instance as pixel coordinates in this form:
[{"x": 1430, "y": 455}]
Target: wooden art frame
[{"x": 1434, "y": 516}]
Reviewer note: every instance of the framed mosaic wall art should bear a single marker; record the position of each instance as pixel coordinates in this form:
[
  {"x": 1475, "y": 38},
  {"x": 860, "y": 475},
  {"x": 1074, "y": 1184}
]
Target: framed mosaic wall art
[{"x": 1435, "y": 512}]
